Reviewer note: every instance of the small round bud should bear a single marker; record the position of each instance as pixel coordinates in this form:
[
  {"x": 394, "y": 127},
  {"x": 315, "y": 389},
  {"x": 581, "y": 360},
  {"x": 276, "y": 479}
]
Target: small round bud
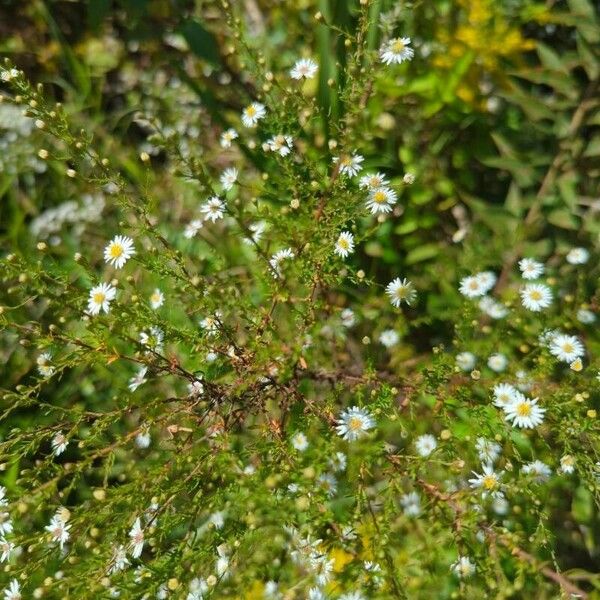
[
  {"x": 71, "y": 173},
  {"x": 144, "y": 157},
  {"x": 40, "y": 124},
  {"x": 408, "y": 178},
  {"x": 43, "y": 154},
  {"x": 42, "y": 246}
]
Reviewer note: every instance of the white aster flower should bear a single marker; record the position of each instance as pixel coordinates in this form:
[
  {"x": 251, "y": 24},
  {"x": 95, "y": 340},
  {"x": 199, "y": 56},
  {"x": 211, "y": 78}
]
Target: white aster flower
[
  {"x": 157, "y": 299},
  {"x": 143, "y": 439},
  {"x": 567, "y": 464},
  {"x": 538, "y": 470},
  {"x": 372, "y": 182},
  {"x": 277, "y": 258},
  {"x": 505, "y": 394},
  {"x": 305, "y": 68},
  {"x": 13, "y": 591},
  {"x": 213, "y": 209},
  {"x": 586, "y": 316},
  {"x": 328, "y": 483},
  {"x": 566, "y": 348},
  {"x": 488, "y": 481},
  {"x": 228, "y": 178},
  {"x": 100, "y": 298},
  {"x": 525, "y": 412},
  {"x": 411, "y": 504},
  {"x": 381, "y": 200},
  {"x": 578, "y": 256},
  {"x": 425, "y": 444},
  {"x": 389, "y": 338},
  {"x": 138, "y": 379},
  {"x": 253, "y": 113},
  {"x": 349, "y": 164},
  {"x": 493, "y": 308},
  {"x": 195, "y": 389},
  {"x": 354, "y": 423},
  {"x": 530, "y": 268},
  {"x": 210, "y": 324},
  {"x": 6, "y": 549},
  {"x": 465, "y": 361},
  {"x": 192, "y": 228},
  {"x": 401, "y": 290},
  {"x": 396, "y": 51},
  {"x": 58, "y": 528},
  {"x": 257, "y": 229},
  {"x": 44, "y": 365},
  {"x": 497, "y": 362},
  {"x": 348, "y": 318},
  {"x": 152, "y": 339},
  {"x": 463, "y": 567},
  {"x": 299, "y": 441},
  {"x": 472, "y": 287},
  {"x": 345, "y": 244},
  {"x": 487, "y": 450},
  {"x": 136, "y": 535},
  {"x": 280, "y": 144},
  {"x": 119, "y": 560},
  {"x": 119, "y": 251},
  {"x": 227, "y": 137},
  {"x": 536, "y": 296},
  {"x": 59, "y": 443}
]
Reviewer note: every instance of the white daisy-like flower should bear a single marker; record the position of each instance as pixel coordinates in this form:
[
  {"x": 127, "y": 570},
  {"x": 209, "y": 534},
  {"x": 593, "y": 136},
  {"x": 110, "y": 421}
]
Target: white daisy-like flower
[
  {"x": 143, "y": 439},
  {"x": 316, "y": 594},
  {"x": 465, "y": 361},
  {"x": 497, "y": 362},
  {"x": 119, "y": 560},
  {"x": 396, "y": 51},
  {"x": 322, "y": 568},
  {"x": 372, "y": 182},
  {"x": 493, "y": 308},
  {"x": 45, "y": 368},
  {"x": 227, "y": 137},
  {"x": 119, "y": 251},
  {"x": 585, "y": 316},
  {"x": 280, "y": 144},
  {"x": 253, "y": 113},
  {"x": 349, "y": 164},
  {"x": 472, "y": 287},
  {"x": 401, "y": 290},
  {"x": 136, "y": 535},
  {"x": 578, "y": 256},
  {"x": 157, "y": 299},
  {"x": 152, "y": 339},
  {"x": 138, "y": 379},
  {"x": 228, "y": 178},
  {"x": 345, "y": 244},
  {"x": 337, "y": 462},
  {"x": 576, "y": 365},
  {"x": 411, "y": 504},
  {"x": 13, "y": 591},
  {"x": 257, "y": 229},
  {"x": 567, "y": 464},
  {"x": 58, "y": 528},
  {"x": 487, "y": 279},
  {"x": 425, "y": 444},
  {"x": 192, "y": 228},
  {"x": 59, "y": 443},
  {"x": 538, "y": 470},
  {"x": 505, "y": 394},
  {"x": 566, "y": 348},
  {"x": 328, "y": 483},
  {"x": 100, "y": 298},
  {"x": 6, "y": 549},
  {"x": 299, "y": 441},
  {"x": 348, "y": 318},
  {"x": 487, "y": 450},
  {"x": 277, "y": 258},
  {"x": 389, "y": 338},
  {"x": 463, "y": 567},
  {"x": 213, "y": 209},
  {"x": 305, "y": 68},
  {"x": 530, "y": 268},
  {"x": 488, "y": 481},
  {"x": 536, "y": 296},
  {"x": 381, "y": 200},
  {"x": 352, "y": 596},
  {"x": 195, "y": 389},
  {"x": 210, "y": 324},
  {"x": 525, "y": 412},
  {"x": 354, "y": 423}
]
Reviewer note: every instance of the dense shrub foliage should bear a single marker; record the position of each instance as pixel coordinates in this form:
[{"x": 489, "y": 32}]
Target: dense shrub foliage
[{"x": 299, "y": 300}]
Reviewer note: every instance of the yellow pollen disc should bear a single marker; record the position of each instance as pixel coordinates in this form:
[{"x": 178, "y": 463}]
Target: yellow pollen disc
[
  {"x": 379, "y": 197},
  {"x": 535, "y": 295},
  {"x": 99, "y": 297},
  {"x": 524, "y": 410},
  {"x": 398, "y": 46},
  {"x": 115, "y": 251},
  {"x": 355, "y": 423},
  {"x": 250, "y": 111},
  {"x": 489, "y": 482},
  {"x": 343, "y": 243},
  {"x": 568, "y": 348},
  {"x": 473, "y": 285}
]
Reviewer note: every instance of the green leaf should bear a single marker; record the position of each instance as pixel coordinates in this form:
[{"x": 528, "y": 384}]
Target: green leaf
[
  {"x": 201, "y": 41},
  {"x": 421, "y": 253}
]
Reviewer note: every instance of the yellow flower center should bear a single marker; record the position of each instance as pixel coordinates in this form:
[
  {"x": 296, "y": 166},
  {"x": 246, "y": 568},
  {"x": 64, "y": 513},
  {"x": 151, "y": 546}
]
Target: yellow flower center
[
  {"x": 568, "y": 348},
  {"x": 355, "y": 424},
  {"x": 402, "y": 292},
  {"x": 524, "y": 409},
  {"x": 535, "y": 295},
  {"x": 343, "y": 243},
  {"x": 115, "y": 250},
  {"x": 250, "y": 111},
  {"x": 398, "y": 47},
  {"x": 99, "y": 297},
  {"x": 489, "y": 482},
  {"x": 379, "y": 197}
]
